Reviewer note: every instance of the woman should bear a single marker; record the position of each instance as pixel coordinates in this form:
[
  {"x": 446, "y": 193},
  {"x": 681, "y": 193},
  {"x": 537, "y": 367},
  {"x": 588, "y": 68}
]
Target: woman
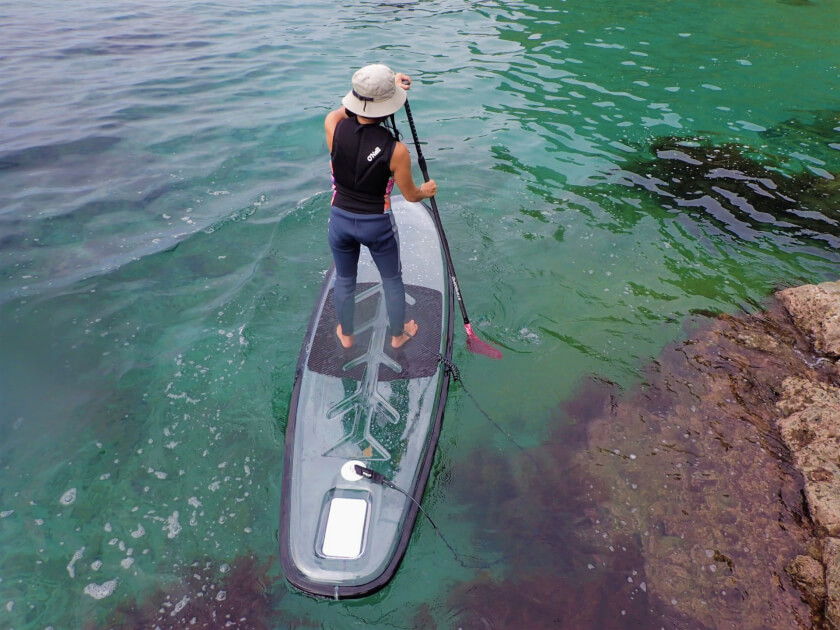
[{"x": 367, "y": 159}]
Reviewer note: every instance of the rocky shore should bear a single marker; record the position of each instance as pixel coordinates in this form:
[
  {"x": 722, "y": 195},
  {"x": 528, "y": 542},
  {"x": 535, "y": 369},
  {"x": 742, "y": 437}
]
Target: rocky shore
[
  {"x": 745, "y": 410},
  {"x": 707, "y": 497},
  {"x": 809, "y": 423}
]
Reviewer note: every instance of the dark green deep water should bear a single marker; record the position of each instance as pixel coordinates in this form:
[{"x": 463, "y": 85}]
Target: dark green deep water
[{"x": 605, "y": 170}]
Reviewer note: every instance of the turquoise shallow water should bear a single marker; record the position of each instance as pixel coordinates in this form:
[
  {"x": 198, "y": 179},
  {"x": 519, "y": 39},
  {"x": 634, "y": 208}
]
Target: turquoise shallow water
[{"x": 163, "y": 195}]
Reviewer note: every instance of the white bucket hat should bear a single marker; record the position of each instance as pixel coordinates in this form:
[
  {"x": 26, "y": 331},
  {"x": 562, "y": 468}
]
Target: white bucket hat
[{"x": 374, "y": 92}]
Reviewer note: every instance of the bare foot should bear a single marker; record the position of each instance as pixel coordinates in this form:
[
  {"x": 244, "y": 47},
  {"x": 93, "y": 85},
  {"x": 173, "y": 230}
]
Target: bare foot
[
  {"x": 346, "y": 340},
  {"x": 409, "y": 330}
]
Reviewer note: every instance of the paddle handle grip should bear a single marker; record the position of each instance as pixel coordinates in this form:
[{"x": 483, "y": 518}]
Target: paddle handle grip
[{"x": 420, "y": 159}]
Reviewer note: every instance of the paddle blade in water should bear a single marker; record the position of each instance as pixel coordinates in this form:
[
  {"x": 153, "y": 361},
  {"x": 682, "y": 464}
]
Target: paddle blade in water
[{"x": 477, "y": 346}]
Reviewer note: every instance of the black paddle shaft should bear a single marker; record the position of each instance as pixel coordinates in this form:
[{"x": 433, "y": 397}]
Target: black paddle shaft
[{"x": 436, "y": 216}]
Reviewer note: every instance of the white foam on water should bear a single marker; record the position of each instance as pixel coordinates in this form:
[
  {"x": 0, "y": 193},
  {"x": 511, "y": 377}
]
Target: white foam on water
[
  {"x": 180, "y": 606},
  {"x": 173, "y": 527},
  {"x": 529, "y": 335},
  {"x": 745, "y": 124},
  {"x": 68, "y": 497},
  {"x": 71, "y": 566},
  {"x": 101, "y": 591}
]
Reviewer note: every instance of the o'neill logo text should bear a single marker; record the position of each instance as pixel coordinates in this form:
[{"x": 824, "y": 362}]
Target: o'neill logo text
[{"x": 374, "y": 153}]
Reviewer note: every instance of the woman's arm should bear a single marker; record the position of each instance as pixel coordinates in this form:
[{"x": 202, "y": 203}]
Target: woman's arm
[
  {"x": 401, "y": 161},
  {"x": 401, "y": 167},
  {"x": 330, "y": 122}
]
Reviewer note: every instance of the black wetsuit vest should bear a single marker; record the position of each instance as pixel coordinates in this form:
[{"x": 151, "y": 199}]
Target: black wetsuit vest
[{"x": 361, "y": 167}]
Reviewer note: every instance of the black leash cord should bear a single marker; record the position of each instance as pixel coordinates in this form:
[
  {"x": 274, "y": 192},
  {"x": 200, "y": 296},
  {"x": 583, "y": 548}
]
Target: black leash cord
[
  {"x": 450, "y": 367},
  {"x": 381, "y": 479}
]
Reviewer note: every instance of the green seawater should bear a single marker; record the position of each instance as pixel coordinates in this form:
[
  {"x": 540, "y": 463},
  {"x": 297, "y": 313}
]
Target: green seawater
[{"x": 164, "y": 189}]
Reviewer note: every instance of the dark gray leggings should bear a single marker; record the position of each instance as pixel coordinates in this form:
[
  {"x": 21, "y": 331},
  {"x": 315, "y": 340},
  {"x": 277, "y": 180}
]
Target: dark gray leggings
[{"x": 348, "y": 231}]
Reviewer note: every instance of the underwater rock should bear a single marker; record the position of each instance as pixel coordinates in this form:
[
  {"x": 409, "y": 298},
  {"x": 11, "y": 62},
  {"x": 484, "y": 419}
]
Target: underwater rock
[
  {"x": 748, "y": 192},
  {"x": 699, "y": 475},
  {"x": 208, "y": 596},
  {"x": 704, "y": 489}
]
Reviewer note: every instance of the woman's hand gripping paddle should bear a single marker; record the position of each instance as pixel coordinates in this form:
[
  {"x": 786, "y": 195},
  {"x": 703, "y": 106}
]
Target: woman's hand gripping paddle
[{"x": 474, "y": 344}]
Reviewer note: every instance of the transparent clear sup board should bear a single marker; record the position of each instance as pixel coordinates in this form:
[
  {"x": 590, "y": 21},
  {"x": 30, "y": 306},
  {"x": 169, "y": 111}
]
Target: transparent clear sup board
[{"x": 341, "y": 535}]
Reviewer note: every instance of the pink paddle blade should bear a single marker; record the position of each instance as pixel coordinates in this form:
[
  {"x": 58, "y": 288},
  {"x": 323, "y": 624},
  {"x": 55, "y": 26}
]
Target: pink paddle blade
[{"x": 477, "y": 346}]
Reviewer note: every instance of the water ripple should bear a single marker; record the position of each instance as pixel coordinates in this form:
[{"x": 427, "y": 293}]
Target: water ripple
[{"x": 164, "y": 180}]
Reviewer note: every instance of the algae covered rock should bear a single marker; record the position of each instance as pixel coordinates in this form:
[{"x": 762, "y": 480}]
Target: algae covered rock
[
  {"x": 812, "y": 432},
  {"x": 816, "y": 311},
  {"x": 831, "y": 558},
  {"x": 809, "y": 575}
]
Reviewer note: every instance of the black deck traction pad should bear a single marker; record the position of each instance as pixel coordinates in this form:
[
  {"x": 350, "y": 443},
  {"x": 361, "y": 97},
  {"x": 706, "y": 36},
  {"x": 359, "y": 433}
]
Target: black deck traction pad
[{"x": 418, "y": 358}]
